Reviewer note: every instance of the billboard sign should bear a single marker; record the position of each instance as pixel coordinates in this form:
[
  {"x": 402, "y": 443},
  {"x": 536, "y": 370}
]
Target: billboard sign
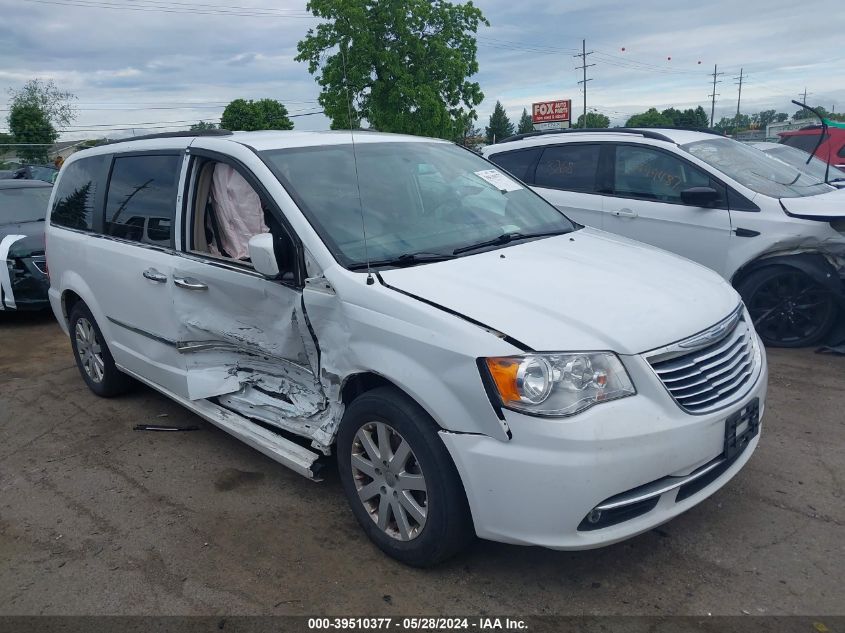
[{"x": 551, "y": 111}]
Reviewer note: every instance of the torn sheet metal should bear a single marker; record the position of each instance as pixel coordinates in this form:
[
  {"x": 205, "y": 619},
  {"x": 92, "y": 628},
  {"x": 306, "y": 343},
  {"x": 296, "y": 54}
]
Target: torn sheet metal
[
  {"x": 7, "y": 297},
  {"x": 247, "y": 344}
]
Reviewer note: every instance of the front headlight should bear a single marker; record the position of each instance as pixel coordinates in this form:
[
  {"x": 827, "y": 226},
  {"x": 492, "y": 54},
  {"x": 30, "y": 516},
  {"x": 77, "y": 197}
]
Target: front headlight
[{"x": 558, "y": 384}]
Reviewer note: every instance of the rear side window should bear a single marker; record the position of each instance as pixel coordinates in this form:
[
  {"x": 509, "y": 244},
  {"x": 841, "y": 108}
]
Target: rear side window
[
  {"x": 804, "y": 142},
  {"x": 518, "y": 162},
  {"x": 571, "y": 167},
  {"x": 76, "y": 194},
  {"x": 141, "y": 200}
]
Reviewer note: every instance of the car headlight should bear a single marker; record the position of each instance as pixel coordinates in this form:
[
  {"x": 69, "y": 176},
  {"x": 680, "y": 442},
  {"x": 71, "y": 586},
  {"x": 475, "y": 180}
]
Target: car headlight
[{"x": 558, "y": 384}]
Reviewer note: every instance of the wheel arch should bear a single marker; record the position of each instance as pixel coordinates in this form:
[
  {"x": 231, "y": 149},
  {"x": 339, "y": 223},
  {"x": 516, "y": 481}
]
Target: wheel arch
[{"x": 814, "y": 265}]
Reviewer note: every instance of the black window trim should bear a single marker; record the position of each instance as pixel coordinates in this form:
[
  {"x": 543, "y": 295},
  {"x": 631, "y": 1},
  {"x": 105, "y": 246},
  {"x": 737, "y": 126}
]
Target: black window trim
[
  {"x": 101, "y": 216},
  {"x": 188, "y": 196}
]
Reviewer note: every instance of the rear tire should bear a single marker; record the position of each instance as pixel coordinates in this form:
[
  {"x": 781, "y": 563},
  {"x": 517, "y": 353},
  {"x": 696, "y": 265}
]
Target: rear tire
[
  {"x": 400, "y": 481},
  {"x": 788, "y": 307},
  {"x": 93, "y": 358}
]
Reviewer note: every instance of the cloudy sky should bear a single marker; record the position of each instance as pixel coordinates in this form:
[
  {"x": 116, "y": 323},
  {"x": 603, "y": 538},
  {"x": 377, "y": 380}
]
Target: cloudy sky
[{"x": 151, "y": 65}]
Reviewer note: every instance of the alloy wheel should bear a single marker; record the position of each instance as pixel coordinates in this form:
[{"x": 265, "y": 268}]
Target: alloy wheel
[
  {"x": 389, "y": 481},
  {"x": 789, "y": 308},
  {"x": 89, "y": 350}
]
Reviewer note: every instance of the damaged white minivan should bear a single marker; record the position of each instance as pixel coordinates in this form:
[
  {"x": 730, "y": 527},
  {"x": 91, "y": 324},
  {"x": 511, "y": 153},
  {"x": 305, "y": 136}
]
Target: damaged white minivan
[{"x": 479, "y": 364}]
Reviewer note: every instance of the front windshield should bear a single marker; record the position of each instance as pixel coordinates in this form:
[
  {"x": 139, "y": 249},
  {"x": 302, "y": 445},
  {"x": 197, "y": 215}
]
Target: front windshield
[
  {"x": 24, "y": 204},
  {"x": 752, "y": 168},
  {"x": 798, "y": 159},
  {"x": 418, "y": 198}
]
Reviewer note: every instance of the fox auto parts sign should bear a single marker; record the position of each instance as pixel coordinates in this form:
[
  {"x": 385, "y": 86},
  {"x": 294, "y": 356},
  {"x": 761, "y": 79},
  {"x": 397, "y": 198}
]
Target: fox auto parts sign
[{"x": 551, "y": 111}]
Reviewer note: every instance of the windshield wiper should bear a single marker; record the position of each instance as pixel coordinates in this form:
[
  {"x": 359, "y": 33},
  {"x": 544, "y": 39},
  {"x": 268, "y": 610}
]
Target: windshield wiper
[
  {"x": 405, "y": 259},
  {"x": 506, "y": 238}
]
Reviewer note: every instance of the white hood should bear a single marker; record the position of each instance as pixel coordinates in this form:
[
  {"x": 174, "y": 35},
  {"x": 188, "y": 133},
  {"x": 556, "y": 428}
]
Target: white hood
[
  {"x": 821, "y": 207},
  {"x": 587, "y": 290}
]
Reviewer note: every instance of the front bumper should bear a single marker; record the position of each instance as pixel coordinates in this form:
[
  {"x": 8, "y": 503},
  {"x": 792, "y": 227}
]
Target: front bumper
[
  {"x": 538, "y": 488},
  {"x": 29, "y": 284}
]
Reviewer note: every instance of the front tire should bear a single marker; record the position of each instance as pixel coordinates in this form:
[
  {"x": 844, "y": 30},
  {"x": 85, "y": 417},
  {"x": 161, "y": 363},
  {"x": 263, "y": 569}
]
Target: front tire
[
  {"x": 93, "y": 358},
  {"x": 400, "y": 481},
  {"x": 788, "y": 307}
]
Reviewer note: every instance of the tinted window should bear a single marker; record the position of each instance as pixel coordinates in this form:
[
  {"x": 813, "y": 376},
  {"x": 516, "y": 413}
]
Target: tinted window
[
  {"x": 517, "y": 163},
  {"x": 141, "y": 201},
  {"x": 77, "y": 193},
  {"x": 571, "y": 167},
  {"x": 805, "y": 142},
  {"x": 642, "y": 172},
  {"x": 27, "y": 204}
]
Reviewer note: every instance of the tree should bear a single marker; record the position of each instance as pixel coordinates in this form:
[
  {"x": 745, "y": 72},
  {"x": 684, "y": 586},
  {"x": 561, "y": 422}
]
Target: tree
[
  {"x": 764, "y": 118},
  {"x": 649, "y": 118},
  {"x": 401, "y": 66},
  {"x": 35, "y": 111},
  {"x": 594, "y": 120},
  {"x": 29, "y": 124},
  {"x": 499, "y": 126},
  {"x": 265, "y": 114},
  {"x": 203, "y": 125},
  {"x": 780, "y": 117},
  {"x": 526, "y": 123},
  {"x": 803, "y": 113}
]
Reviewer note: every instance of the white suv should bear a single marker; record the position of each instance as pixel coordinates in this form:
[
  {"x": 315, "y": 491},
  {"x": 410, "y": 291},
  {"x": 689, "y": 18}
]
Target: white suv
[
  {"x": 774, "y": 231},
  {"x": 478, "y": 363}
]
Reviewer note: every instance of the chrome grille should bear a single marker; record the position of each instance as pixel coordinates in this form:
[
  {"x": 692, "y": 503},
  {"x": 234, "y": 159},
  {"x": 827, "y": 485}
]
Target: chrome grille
[{"x": 713, "y": 369}]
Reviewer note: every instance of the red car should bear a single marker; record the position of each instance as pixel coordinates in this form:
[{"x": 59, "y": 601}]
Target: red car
[{"x": 832, "y": 148}]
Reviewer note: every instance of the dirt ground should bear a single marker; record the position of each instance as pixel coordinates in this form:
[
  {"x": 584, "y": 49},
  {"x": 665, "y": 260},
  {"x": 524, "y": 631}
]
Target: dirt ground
[{"x": 96, "y": 518}]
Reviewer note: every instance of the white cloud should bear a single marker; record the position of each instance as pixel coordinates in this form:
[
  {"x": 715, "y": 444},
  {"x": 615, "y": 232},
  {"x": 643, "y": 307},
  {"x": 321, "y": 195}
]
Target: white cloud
[{"x": 137, "y": 62}]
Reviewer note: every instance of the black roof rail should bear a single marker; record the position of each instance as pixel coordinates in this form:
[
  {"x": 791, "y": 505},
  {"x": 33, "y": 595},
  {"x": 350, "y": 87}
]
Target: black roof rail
[
  {"x": 607, "y": 130},
  {"x": 642, "y": 131},
  {"x": 179, "y": 134}
]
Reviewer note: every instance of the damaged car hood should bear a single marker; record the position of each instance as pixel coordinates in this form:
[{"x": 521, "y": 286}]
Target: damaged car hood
[
  {"x": 825, "y": 206},
  {"x": 587, "y": 290}
]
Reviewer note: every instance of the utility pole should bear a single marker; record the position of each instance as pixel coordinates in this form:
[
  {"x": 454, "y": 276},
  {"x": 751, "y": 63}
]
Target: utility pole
[
  {"x": 739, "y": 97},
  {"x": 716, "y": 73},
  {"x": 584, "y": 66},
  {"x": 803, "y": 95}
]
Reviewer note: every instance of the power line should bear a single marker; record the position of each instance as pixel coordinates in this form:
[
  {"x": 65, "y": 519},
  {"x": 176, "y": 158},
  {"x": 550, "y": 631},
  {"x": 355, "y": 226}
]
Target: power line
[
  {"x": 584, "y": 66},
  {"x": 157, "y": 125},
  {"x": 169, "y": 8}
]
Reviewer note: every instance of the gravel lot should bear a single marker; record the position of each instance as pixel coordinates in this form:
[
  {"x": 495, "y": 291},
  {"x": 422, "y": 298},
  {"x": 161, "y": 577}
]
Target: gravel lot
[{"x": 96, "y": 518}]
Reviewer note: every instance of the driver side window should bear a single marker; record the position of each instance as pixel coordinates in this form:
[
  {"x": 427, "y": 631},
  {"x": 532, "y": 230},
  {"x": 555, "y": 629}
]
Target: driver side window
[
  {"x": 227, "y": 211},
  {"x": 649, "y": 174}
]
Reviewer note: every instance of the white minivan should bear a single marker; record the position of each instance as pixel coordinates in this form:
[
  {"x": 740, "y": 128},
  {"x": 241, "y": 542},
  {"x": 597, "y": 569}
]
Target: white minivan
[
  {"x": 479, "y": 364},
  {"x": 776, "y": 232}
]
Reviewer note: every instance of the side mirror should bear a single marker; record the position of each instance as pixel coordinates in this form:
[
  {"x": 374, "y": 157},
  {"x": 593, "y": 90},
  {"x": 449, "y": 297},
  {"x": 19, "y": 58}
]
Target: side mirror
[
  {"x": 262, "y": 255},
  {"x": 699, "y": 196}
]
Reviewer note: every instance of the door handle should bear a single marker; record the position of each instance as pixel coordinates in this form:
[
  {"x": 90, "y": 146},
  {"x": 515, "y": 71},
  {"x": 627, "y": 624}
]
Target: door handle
[
  {"x": 189, "y": 283},
  {"x": 626, "y": 213},
  {"x": 153, "y": 275}
]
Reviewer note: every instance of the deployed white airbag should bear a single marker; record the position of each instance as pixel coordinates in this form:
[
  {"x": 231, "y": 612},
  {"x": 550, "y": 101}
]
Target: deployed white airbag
[{"x": 237, "y": 208}]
